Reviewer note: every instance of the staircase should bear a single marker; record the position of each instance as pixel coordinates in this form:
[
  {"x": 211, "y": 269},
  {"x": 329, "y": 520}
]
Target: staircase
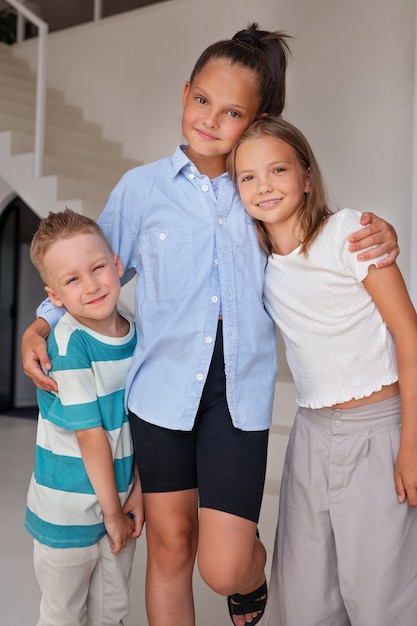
[{"x": 80, "y": 166}]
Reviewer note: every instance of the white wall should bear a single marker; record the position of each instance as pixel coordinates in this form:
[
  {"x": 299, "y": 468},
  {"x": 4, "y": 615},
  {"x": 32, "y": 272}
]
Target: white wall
[
  {"x": 351, "y": 84},
  {"x": 6, "y": 194}
]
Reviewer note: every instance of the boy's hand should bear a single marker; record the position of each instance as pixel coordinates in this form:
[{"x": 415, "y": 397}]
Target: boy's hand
[
  {"x": 119, "y": 529},
  {"x": 35, "y": 355},
  {"x": 377, "y": 233}
]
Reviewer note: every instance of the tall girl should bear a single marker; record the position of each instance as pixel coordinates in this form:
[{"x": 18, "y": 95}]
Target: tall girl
[
  {"x": 346, "y": 546},
  {"x": 200, "y": 390}
]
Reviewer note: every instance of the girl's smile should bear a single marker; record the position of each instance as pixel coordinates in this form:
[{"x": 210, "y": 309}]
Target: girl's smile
[
  {"x": 272, "y": 185},
  {"x": 218, "y": 106}
]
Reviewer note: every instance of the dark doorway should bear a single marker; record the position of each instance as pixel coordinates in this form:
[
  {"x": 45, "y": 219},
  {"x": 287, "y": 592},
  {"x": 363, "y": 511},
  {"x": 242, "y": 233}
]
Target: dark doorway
[{"x": 21, "y": 290}]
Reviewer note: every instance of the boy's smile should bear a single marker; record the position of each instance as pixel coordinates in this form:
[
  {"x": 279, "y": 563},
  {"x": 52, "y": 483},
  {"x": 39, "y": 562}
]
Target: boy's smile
[{"x": 88, "y": 283}]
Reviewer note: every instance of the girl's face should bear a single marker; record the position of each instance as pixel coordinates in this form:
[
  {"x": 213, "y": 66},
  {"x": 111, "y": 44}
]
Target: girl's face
[
  {"x": 218, "y": 106},
  {"x": 271, "y": 181}
]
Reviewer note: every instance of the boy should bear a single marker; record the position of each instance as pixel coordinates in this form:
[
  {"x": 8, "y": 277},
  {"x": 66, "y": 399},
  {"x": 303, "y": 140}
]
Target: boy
[{"x": 84, "y": 456}]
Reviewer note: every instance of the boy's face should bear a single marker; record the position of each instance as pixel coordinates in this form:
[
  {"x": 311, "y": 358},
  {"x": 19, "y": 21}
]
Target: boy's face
[{"x": 83, "y": 275}]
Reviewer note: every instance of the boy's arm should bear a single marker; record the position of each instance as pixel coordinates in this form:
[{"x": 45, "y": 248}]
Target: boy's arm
[
  {"x": 98, "y": 462},
  {"x": 379, "y": 236},
  {"x": 388, "y": 290},
  {"x": 134, "y": 504}
]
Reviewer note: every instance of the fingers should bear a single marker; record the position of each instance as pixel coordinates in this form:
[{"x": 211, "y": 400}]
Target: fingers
[
  {"x": 400, "y": 489},
  {"x": 406, "y": 493},
  {"x": 138, "y": 527},
  {"x": 390, "y": 258},
  {"x": 368, "y": 218}
]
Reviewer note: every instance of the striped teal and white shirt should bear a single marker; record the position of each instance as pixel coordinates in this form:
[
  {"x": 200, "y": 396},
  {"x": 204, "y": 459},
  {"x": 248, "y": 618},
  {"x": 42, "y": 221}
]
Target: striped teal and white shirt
[{"x": 90, "y": 369}]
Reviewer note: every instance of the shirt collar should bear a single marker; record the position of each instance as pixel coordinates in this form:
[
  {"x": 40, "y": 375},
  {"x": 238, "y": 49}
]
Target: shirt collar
[{"x": 180, "y": 161}]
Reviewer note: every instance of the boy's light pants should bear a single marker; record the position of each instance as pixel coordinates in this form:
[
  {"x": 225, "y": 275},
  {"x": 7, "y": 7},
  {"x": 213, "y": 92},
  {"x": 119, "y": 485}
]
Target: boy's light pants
[
  {"x": 346, "y": 550},
  {"x": 83, "y": 586}
]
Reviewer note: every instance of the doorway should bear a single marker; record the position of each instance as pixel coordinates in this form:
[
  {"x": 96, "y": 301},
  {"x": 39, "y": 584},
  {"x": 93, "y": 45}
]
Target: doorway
[{"x": 21, "y": 290}]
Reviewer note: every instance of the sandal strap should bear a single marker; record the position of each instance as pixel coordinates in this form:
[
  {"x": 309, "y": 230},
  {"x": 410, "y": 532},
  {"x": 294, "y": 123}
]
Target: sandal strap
[{"x": 249, "y": 602}]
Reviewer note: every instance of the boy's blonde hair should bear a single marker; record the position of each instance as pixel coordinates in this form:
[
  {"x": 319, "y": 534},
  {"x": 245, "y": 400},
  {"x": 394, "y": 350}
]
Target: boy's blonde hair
[
  {"x": 56, "y": 226},
  {"x": 314, "y": 211}
]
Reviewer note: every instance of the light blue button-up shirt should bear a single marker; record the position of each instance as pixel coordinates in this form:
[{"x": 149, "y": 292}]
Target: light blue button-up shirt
[{"x": 192, "y": 253}]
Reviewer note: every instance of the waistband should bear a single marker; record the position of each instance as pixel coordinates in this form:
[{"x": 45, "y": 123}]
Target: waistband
[{"x": 346, "y": 421}]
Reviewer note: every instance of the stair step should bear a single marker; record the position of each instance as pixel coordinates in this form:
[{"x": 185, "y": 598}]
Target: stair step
[
  {"x": 68, "y": 187},
  {"x": 60, "y": 166},
  {"x": 110, "y": 158},
  {"x": 10, "y": 121},
  {"x": 12, "y": 66},
  {"x": 8, "y": 59},
  {"x": 26, "y": 107},
  {"x": 22, "y": 87}
]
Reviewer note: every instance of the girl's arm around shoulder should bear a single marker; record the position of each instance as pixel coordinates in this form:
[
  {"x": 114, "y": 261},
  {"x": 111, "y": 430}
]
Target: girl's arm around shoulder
[
  {"x": 35, "y": 354},
  {"x": 379, "y": 236},
  {"x": 387, "y": 288}
]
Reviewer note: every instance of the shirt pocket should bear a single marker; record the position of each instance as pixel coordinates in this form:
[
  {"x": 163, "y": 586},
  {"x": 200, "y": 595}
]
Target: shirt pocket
[{"x": 167, "y": 261}]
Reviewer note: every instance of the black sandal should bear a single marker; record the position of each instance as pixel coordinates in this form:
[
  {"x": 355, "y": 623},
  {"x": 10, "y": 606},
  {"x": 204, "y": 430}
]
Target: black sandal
[{"x": 252, "y": 602}]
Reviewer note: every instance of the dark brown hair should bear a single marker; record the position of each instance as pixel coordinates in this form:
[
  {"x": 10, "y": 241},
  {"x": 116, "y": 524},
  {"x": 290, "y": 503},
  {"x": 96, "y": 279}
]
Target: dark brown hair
[{"x": 261, "y": 51}]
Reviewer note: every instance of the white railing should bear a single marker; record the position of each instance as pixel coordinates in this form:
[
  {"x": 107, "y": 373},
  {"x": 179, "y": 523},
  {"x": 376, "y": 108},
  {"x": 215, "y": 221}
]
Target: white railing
[
  {"x": 98, "y": 10},
  {"x": 24, "y": 12}
]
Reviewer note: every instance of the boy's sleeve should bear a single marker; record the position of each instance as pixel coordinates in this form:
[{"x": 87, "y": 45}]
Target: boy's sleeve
[{"x": 75, "y": 406}]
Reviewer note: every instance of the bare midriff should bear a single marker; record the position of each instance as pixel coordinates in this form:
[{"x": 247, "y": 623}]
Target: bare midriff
[{"x": 389, "y": 391}]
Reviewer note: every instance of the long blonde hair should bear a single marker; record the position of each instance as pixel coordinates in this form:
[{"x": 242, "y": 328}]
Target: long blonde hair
[{"x": 315, "y": 210}]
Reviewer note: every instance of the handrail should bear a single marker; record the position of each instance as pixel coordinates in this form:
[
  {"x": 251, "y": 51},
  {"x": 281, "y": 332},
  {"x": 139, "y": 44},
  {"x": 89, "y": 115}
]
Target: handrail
[
  {"x": 23, "y": 11},
  {"x": 98, "y": 10}
]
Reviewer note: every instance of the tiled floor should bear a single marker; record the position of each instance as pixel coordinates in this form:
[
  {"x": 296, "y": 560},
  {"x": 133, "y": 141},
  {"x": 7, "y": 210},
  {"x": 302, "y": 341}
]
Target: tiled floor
[{"x": 19, "y": 595}]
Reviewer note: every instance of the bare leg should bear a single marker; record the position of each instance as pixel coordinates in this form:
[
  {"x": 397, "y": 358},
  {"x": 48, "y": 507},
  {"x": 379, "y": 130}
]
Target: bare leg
[
  {"x": 171, "y": 532},
  {"x": 230, "y": 557}
]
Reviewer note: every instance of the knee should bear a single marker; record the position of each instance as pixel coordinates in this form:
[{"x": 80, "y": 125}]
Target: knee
[
  {"x": 224, "y": 577},
  {"x": 228, "y": 571},
  {"x": 172, "y": 551}
]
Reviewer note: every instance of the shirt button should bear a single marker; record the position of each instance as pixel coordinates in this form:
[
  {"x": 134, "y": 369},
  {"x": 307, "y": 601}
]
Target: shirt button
[
  {"x": 220, "y": 220},
  {"x": 209, "y": 339},
  {"x": 191, "y": 176},
  {"x": 214, "y": 299},
  {"x": 205, "y": 187},
  {"x": 216, "y": 262},
  {"x": 162, "y": 236},
  {"x": 338, "y": 423},
  {"x": 192, "y": 168},
  {"x": 199, "y": 377}
]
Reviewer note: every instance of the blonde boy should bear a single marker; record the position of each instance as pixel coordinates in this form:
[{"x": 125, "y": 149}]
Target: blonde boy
[{"x": 83, "y": 474}]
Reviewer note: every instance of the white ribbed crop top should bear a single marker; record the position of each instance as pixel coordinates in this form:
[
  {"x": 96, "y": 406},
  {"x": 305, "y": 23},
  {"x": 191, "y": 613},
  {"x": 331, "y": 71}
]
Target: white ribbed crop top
[{"x": 337, "y": 345}]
